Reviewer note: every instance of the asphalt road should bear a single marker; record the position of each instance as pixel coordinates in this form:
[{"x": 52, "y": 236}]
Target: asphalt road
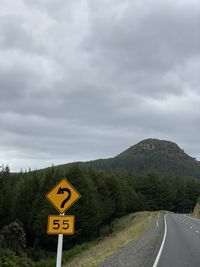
[{"x": 181, "y": 247}]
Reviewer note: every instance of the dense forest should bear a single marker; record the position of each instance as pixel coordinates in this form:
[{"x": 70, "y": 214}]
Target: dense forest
[{"x": 104, "y": 196}]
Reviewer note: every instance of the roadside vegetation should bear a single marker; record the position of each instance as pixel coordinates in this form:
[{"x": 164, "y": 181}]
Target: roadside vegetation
[
  {"x": 196, "y": 212},
  {"x": 105, "y": 196},
  {"x": 93, "y": 253}
]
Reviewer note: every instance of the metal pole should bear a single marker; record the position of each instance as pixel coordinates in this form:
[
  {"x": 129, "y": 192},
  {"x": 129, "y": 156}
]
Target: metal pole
[{"x": 59, "y": 250}]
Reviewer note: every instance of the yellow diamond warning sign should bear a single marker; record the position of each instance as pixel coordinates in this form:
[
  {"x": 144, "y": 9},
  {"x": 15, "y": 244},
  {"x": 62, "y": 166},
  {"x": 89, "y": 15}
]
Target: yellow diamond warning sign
[{"x": 63, "y": 196}]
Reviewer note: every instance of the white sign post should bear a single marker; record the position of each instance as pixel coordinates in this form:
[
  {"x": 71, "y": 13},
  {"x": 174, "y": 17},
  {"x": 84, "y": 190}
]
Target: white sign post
[{"x": 59, "y": 250}]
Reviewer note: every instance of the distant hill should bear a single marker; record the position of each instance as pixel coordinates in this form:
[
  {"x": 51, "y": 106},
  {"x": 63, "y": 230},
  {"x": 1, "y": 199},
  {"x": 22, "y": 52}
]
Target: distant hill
[{"x": 163, "y": 157}]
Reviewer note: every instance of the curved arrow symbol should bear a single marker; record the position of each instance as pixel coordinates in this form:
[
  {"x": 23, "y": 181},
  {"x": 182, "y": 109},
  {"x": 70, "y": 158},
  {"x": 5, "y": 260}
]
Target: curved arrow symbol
[{"x": 69, "y": 193}]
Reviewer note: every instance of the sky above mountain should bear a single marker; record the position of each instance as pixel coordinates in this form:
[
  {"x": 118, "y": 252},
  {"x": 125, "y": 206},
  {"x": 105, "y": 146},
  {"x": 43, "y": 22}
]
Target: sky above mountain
[{"x": 86, "y": 79}]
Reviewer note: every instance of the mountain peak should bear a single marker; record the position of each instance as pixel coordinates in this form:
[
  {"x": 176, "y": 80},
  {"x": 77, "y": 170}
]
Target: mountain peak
[
  {"x": 161, "y": 156},
  {"x": 152, "y": 145},
  {"x": 156, "y": 144}
]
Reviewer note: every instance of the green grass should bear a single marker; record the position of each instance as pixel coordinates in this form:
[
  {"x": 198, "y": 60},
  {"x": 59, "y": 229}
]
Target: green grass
[{"x": 67, "y": 255}]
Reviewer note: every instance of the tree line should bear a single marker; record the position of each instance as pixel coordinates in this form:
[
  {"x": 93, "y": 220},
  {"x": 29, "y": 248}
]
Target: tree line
[{"x": 104, "y": 196}]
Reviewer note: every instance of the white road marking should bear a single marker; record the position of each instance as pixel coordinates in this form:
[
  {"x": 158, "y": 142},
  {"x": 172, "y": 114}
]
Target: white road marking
[
  {"x": 197, "y": 231},
  {"x": 157, "y": 222},
  {"x": 191, "y": 227},
  {"x": 162, "y": 245}
]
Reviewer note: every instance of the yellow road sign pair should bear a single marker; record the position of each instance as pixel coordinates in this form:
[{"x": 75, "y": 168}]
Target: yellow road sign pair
[{"x": 62, "y": 197}]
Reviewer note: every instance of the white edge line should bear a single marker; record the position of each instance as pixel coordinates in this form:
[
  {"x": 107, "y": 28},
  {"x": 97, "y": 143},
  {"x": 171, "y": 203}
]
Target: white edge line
[{"x": 162, "y": 245}]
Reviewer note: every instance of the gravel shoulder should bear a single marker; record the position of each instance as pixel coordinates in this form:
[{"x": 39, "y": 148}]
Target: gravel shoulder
[{"x": 142, "y": 250}]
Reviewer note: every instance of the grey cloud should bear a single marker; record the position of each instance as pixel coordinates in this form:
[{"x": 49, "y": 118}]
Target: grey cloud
[
  {"x": 86, "y": 79},
  {"x": 14, "y": 35},
  {"x": 14, "y": 83},
  {"x": 58, "y": 11},
  {"x": 156, "y": 39}
]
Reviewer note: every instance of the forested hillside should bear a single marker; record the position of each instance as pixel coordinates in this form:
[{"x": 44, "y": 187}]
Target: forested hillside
[
  {"x": 163, "y": 157},
  {"x": 24, "y": 209}
]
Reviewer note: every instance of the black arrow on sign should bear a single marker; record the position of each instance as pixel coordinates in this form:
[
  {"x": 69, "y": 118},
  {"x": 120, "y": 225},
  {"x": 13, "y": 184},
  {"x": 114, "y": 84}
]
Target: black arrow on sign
[{"x": 69, "y": 193}]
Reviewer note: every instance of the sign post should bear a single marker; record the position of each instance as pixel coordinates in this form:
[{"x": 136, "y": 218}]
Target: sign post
[
  {"x": 62, "y": 196},
  {"x": 59, "y": 250}
]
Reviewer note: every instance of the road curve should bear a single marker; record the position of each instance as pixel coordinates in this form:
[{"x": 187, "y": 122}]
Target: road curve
[{"x": 182, "y": 243}]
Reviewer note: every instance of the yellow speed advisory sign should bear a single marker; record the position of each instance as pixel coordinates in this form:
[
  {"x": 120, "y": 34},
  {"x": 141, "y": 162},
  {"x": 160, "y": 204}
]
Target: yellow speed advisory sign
[
  {"x": 63, "y": 196},
  {"x": 58, "y": 224}
]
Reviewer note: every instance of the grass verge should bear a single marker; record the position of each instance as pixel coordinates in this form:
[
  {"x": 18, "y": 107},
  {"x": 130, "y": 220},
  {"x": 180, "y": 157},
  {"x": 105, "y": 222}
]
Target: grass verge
[
  {"x": 92, "y": 254},
  {"x": 124, "y": 229},
  {"x": 196, "y": 212}
]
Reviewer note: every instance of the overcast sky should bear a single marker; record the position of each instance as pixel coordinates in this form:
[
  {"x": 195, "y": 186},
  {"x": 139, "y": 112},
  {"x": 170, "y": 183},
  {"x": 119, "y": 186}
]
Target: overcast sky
[{"x": 86, "y": 79}]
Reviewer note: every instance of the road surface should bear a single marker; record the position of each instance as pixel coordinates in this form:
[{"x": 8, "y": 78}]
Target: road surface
[
  {"x": 175, "y": 243},
  {"x": 181, "y": 245}
]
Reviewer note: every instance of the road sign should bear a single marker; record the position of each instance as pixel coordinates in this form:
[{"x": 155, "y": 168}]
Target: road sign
[
  {"x": 60, "y": 225},
  {"x": 63, "y": 196}
]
